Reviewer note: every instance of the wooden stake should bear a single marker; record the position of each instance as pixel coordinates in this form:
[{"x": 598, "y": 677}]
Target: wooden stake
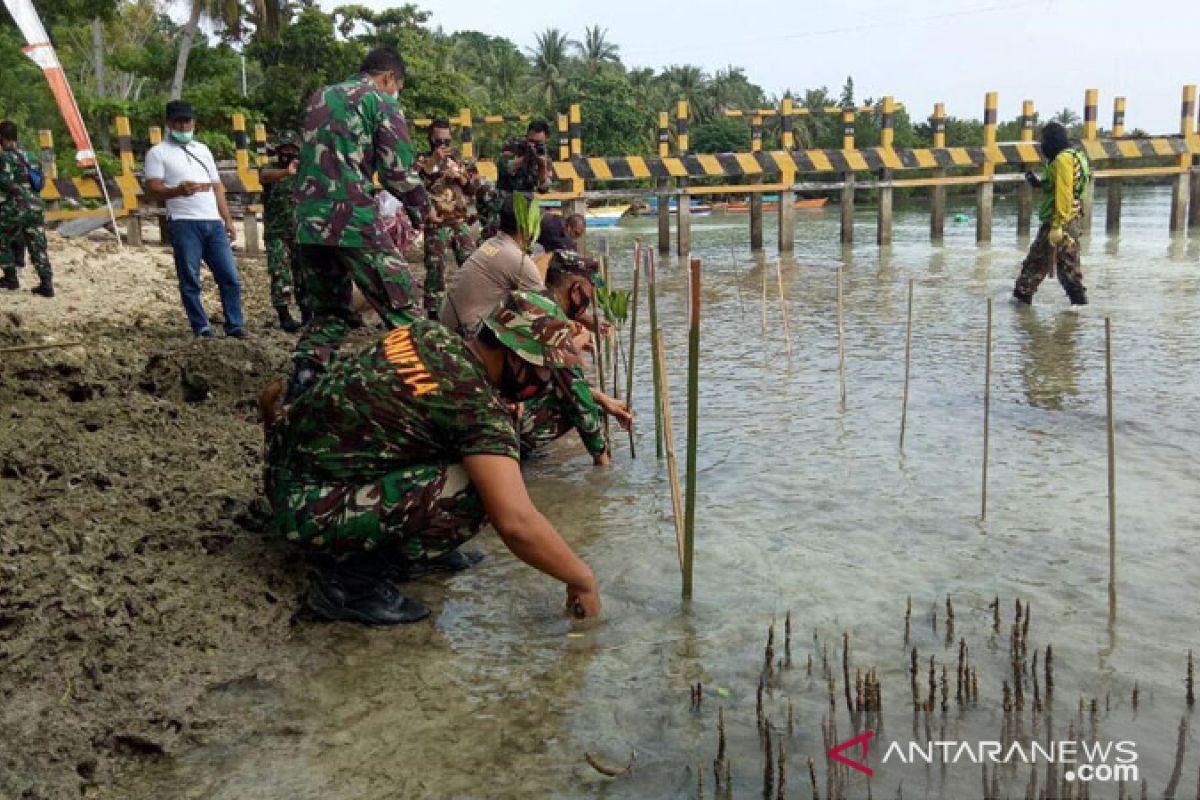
[
  {"x": 1112, "y": 476},
  {"x": 655, "y": 351},
  {"x": 598, "y": 354},
  {"x": 633, "y": 316},
  {"x": 787, "y": 329},
  {"x": 841, "y": 341},
  {"x": 907, "y": 364},
  {"x": 669, "y": 438},
  {"x": 27, "y": 348},
  {"x": 693, "y": 418},
  {"x": 987, "y": 406}
]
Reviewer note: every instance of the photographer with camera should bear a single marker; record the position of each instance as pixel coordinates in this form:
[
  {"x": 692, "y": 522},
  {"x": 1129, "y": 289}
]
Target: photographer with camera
[{"x": 523, "y": 165}]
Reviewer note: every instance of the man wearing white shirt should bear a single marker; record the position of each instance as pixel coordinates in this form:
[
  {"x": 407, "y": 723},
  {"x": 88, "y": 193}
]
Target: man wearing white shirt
[{"x": 181, "y": 172}]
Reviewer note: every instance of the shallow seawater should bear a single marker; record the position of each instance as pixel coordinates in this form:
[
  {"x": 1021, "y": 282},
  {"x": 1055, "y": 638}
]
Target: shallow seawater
[{"x": 807, "y": 507}]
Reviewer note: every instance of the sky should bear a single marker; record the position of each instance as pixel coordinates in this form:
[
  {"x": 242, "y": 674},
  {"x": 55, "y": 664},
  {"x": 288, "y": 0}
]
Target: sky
[{"x": 950, "y": 51}]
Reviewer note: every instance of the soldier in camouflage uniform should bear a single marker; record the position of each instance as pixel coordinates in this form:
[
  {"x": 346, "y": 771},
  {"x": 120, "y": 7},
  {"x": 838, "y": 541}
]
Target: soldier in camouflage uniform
[
  {"x": 448, "y": 185},
  {"x": 523, "y": 166},
  {"x": 573, "y": 404},
  {"x": 400, "y": 454},
  {"x": 352, "y": 131},
  {"x": 1065, "y": 181},
  {"x": 279, "y": 223},
  {"x": 22, "y": 219}
]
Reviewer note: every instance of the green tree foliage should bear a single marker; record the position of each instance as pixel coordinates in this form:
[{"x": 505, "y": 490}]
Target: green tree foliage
[
  {"x": 291, "y": 48},
  {"x": 721, "y": 136}
]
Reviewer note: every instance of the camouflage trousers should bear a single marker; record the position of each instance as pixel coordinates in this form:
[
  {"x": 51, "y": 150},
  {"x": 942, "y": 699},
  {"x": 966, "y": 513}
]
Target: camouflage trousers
[
  {"x": 543, "y": 419},
  {"x": 29, "y": 231},
  {"x": 283, "y": 269},
  {"x": 1043, "y": 257},
  {"x": 438, "y": 240},
  {"x": 420, "y": 511},
  {"x": 328, "y": 276}
]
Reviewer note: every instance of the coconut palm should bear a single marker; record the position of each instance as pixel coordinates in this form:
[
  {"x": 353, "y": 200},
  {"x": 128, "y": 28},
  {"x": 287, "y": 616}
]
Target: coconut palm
[
  {"x": 551, "y": 57},
  {"x": 596, "y": 50},
  {"x": 266, "y": 15}
]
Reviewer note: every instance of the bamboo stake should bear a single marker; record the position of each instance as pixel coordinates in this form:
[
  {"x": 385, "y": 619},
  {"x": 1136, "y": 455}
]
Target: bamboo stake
[
  {"x": 764, "y": 300},
  {"x": 633, "y": 315},
  {"x": 1112, "y": 475},
  {"x": 672, "y": 467},
  {"x": 841, "y": 333},
  {"x": 907, "y": 364},
  {"x": 693, "y": 417},
  {"x": 987, "y": 406},
  {"x": 787, "y": 329},
  {"x": 655, "y": 352}
]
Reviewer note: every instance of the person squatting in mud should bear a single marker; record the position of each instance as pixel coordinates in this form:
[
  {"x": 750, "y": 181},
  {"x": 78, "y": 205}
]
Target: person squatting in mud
[
  {"x": 1065, "y": 184},
  {"x": 449, "y": 182},
  {"x": 278, "y": 180},
  {"x": 352, "y": 131},
  {"x": 399, "y": 454},
  {"x": 22, "y": 217}
]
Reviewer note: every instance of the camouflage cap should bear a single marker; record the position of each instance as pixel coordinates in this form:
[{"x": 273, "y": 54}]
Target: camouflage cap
[
  {"x": 534, "y": 327},
  {"x": 573, "y": 263},
  {"x": 287, "y": 139}
]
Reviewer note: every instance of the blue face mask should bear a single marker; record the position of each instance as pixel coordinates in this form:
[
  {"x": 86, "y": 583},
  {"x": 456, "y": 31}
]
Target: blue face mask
[{"x": 183, "y": 137}]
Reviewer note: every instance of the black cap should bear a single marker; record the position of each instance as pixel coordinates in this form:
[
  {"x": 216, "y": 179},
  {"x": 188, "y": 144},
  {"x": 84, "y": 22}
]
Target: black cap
[{"x": 179, "y": 109}]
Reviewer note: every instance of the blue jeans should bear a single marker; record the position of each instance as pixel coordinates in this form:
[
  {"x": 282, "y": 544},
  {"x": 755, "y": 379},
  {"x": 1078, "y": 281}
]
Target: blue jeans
[{"x": 194, "y": 240}]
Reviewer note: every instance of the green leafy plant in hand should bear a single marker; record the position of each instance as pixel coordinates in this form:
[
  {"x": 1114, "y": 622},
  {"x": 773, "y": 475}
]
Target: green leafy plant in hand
[{"x": 529, "y": 218}]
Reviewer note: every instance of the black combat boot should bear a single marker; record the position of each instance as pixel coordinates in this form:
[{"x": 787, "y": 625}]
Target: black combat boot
[
  {"x": 304, "y": 375},
  {"x": 359, "y": 589},
  {"x": 286, "y": 321},
  {"x": 1022, "y": 297},
  {"x": 45, "y": 288},
  {"x": 10, "y": 280},
  {"x": 453, "y": 561},
  {"x": 1078, "y": 297}
]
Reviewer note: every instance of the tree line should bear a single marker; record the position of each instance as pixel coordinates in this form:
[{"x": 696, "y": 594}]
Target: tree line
[{"x": 262, "y": 58}]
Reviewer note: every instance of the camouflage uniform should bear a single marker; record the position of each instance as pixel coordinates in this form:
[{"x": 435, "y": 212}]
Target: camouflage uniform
[
  {"x": 22, "y": 218},
  {"x": 351, "y": 132},
  {"x": 1066, "y": 182},
  {"x": 279, "y": 224},
  {"x": 491, "y": 197},
  {"x": 570, "y": 405},
  {"x": 370, "y": 455},
  {"x": 449, "y": 199}
]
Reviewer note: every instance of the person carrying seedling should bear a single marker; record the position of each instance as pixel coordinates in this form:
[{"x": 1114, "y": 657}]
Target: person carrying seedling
[
  {"x": 1065, "y": 183},
  {"x": 22, "y": 219}
]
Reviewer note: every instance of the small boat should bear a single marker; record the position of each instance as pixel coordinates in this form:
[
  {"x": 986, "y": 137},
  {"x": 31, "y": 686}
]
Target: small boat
[
  {"x": 698, "y": 209},
  {"x": 606, "y": 216},
  {"x": 768, "y": 205}
]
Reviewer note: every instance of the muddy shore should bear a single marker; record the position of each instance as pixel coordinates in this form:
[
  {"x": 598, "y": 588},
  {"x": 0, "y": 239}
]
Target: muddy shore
[{"x": 138, "y": 575}]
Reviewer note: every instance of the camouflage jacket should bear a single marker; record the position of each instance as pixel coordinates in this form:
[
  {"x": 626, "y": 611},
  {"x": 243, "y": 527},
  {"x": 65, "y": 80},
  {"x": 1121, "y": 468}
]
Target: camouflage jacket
[
  {"x": 279, "y": 211},
  {"x": 450, "y": 198},
  {"x": 526, "y": 179},
  {"x": 418, "y": 396},
  {"x": 18, "y": 200},
  {"x": 352, "y": 131}
]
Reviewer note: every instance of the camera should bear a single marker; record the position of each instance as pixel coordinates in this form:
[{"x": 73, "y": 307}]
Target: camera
[{"x": 527, "y": 149}]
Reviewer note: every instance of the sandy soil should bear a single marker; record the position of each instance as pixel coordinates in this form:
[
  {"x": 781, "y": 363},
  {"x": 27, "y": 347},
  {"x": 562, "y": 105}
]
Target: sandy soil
[{"x": 136, "y": 570}]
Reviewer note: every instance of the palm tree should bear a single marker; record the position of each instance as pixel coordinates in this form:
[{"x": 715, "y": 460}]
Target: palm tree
[
  {"x": 686, "y": 83},
  {"x": 550, "y": 59},
  {"x": 266, "y": 15},
  {"x": 505, "y": 70},
  {"x": 1067, "y": 118},
  {"x": 596, "y": 50}
]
